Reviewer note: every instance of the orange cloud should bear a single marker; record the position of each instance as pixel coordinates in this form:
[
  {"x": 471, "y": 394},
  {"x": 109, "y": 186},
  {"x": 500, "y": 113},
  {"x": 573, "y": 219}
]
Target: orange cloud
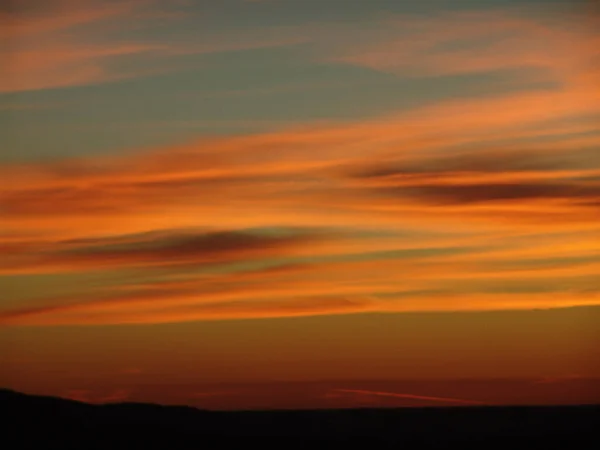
[
  {"x": 459, "y": 401},
  {"x": 230, "y": 298},
  {"x": 21, "y": 20},
  {"x": 89, "y": 396},
  {"x": 43, "y": 52},
  {"x": 116, "y": 396},
  {"x": 499, "y": 41},
  {"x": 425, "y": 210},
  {"x": 97, "y": 315},
  {"x": 472, "y": 217},
  {"x": 80, "y": 395},
  {"x": 70, "y": 43},
  {"x": 175, "y": 249}
]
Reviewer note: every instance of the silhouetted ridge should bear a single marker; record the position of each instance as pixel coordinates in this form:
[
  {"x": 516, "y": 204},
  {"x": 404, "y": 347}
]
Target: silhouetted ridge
[{"x": 60, "y": 423}]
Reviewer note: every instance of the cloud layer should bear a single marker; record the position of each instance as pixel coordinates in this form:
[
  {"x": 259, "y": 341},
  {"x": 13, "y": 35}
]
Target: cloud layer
[{"x": 475, "y": 203}]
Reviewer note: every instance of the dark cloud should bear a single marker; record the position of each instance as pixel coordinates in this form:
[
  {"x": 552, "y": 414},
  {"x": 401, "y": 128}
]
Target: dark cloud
[
  {"x": 183, "y": 244},
  {"x": 482, "y": 177},
  {"x": 488, "y": 161},
  {"x": 168, "y": 249},
  {"x": 487, "y": 192},
  {"x": 114, "y": 197}
]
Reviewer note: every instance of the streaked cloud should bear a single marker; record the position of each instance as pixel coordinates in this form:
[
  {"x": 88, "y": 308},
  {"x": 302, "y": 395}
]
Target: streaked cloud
[
  {"x": 80, "y": 395},
  {"x": 68, "y": 43},
  {"x": 481, "y": 41},
  {"x": 130, "y": 313},
  {"x": 116, "y": 396},
  {"x": 464, "y": 204},
  {"x": 93, "y": 396},
  {"x": 61, "y": 44},
  {"x": 425, "y": 398},
  {"x": 161, "y": 251}
]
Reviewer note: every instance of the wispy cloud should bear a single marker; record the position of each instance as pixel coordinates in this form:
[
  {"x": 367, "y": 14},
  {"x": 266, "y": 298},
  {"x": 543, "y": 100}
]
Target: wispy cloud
[
  {"x": 480, "y": 42},
  {"x": 60, "y": 44},
  {"x": 470, "y": 204},
  {"x": 81, "y": 395},
  {"x": 116, "y": 396},
  {"x": 395, "y": 214},
  {"x": 125, "y": 311},
  {"x": 68, "y": 43},
  {"x": 92, "y": 396},
  {"x": 175, "y": 249},
  {"x": 425, "y": 398}
]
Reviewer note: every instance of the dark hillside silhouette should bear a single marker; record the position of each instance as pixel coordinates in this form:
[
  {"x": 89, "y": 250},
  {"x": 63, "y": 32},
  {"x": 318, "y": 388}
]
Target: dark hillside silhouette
[{"x": 49, "y": 422}]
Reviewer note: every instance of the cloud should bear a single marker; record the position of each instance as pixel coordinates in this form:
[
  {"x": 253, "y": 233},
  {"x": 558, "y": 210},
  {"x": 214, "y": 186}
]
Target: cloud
[
  {"x": 61, "y": 44},
  {"x": 69, "y": 43},
  {"x": 89, "y": 396},
  {"x": 484, "y": 176},
  {"x": 489, "y": 192},
  {"x": 480, "y": 42},
  {"x": 425, "y": 398},
  {"x": 83, "y": 43},
  {"x": 430, "y": 210},
  {"x": 469, "y": 204},
  {"x": 81, "y": 395},
  {"x": 116, "y": 396},
  {"x": 125, "y": 312},
  {"x": 342, "y": 292},
  {"x": 25, "y": 18},
  {"x": 168, "y": 249}
]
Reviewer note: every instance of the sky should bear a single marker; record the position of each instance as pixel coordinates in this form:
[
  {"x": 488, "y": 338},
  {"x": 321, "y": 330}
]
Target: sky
[{"x": 253, "y": 192}]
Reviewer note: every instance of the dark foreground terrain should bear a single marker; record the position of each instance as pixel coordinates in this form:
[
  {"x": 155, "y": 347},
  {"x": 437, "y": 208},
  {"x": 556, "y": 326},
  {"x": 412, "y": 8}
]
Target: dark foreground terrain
[{"x": 48, "y": 422}]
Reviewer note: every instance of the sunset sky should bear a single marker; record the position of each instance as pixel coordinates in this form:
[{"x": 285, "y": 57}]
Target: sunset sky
[{"x": 195, "y": 192}]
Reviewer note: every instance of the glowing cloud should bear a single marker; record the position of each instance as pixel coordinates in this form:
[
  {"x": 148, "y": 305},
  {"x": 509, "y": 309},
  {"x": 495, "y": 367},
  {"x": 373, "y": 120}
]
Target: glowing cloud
[
  {"x": 466, "y": 204},
  {"x": 459, "y": 401}
]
